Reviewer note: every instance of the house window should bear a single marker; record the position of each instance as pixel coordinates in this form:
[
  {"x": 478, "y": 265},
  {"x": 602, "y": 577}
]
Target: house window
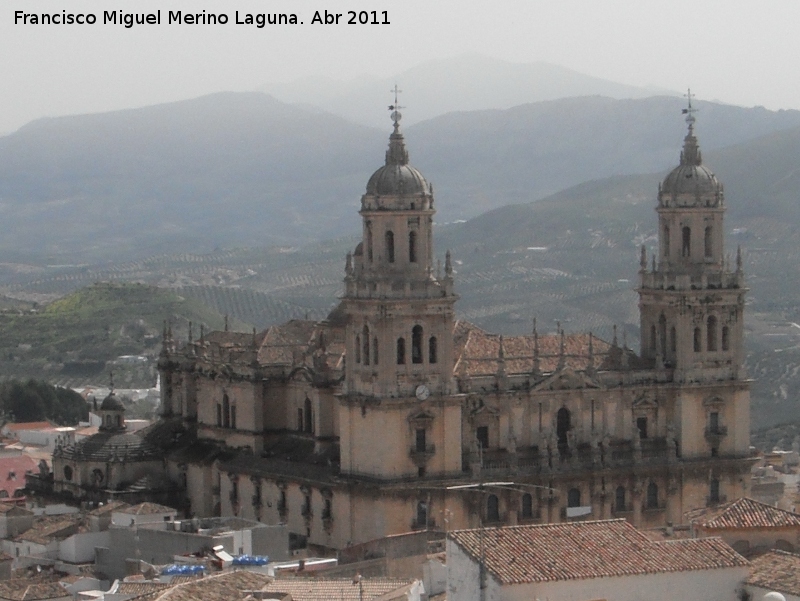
[
  {"x": 713, "y": 422},
  {"x": 416, "y": 344},
  {"x": 412, "y": 247},
  {"x": 652, "y": 496},
  {"x": 574, "y": 497},
  {"x": 390, "y": 246},
  {"x": 422, "y": 513},
  {"x": 432, "y": 355},
  {"x": 420, "y": 445},
  {"x": 697, "y": 340},
  {"x": 713, "y": 495},
  {"x": 687, "y": 242},
  {"x": 226, "y": 411},
  {"x": 492, "y": 508},
  {"x": 726, "y": 338},
  {"x": 527, "y": 506},
  {"x": 482, "y": 434},
  {"x": 401, "y": 351},
  {"x": 619, "y": 499},
  {"x": 641, "y": 425},
  {"x": 327, "y": 511},
  {"x": 366, "y": 345},
  {"x": 712, "y": 333}
]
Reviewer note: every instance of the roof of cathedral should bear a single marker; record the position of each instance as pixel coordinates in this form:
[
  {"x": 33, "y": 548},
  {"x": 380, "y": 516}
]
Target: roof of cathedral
[
  {"x": 777, "y": 571},
  {"x": 478, "y": 352},
  {"x": 691, "y": 181},
  {"x": 110, "y": 446},
  {"x": 397, "y": 177},
  {"x": 112, "y": 403},
  {"x": 743, "y": 513},
  {"x": 592, "y": 549}
]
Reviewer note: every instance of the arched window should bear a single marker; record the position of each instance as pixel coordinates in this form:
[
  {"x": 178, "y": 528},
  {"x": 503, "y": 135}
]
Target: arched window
[
  {"x": 416, "y": 344},
  {"x": 713, "y": 493},
  {"x": 401, "y": 351},
  {"x": 527, "y": 506},
  {"x": 666, "y": 241},
  {"x": 652, "y": 496},
  {"x": 726, "y": 338},
  {"x": 412, "y": 247},
  {"x": 108, "y": 420},
  {"x": 422, "y": 513},
  {"x": 673, "y": 340},
  {"x": 492, "y": 508},
  {"x": 375, "y": 350},
  {"x": 432, "y": 356},
  {"x": 369, "y": 242},
  {"x": 662, "y": 334},
  {"x": 687, "y": 241},
  {"x": 309, "y": 416},
  {"x": 366, "y": 345},
  {"x": 219, "y": 415},
  {"x": 358, "y": 349},
  {"x": 709, "y": 251},
  {"x": 653, "y": 339},
  {"x": 67, "y": 473},
  {"x": 698, "y": 340},
  {"x": 563, "y": 426},
  {"x": 226, "y": 411},
  {"x": 119, "y": 421},
  {"x": 619, "y": 499},
  {"x": 390, "y": 246},
  {"x": 574, "y": 497},
  {"x": 711, "y": 343}
]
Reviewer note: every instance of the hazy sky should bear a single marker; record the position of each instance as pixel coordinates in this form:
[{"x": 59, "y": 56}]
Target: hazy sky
[{"x": 742, "y": 52}]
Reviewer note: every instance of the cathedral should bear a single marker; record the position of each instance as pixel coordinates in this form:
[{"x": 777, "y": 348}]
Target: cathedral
[{"x": 392, "y": 415}]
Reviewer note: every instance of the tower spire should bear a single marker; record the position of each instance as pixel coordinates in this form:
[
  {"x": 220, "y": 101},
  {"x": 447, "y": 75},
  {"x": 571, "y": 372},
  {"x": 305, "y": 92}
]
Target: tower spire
[
  {"x": 397, "y": 153},
  {"x": 690, "y": 155}
]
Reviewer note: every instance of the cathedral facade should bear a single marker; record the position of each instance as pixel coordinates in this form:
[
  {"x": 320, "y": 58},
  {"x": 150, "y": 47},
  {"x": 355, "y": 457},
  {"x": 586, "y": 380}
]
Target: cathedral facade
[{"x": 392, "y": 415}]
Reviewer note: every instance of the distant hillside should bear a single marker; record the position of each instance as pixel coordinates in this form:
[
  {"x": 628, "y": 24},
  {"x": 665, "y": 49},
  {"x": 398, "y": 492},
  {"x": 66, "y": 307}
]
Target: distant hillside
[
  {"x": 232, "y": 170},
  {"x": 73, "y": 340},
  {"x": 468, "y": 82}
]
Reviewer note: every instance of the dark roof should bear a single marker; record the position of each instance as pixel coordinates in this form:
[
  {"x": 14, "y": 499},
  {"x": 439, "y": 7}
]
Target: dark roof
[
  {"x": 112, "y": 403},
  {"x": 777, "y": 571},
  {"x": 110, "y": 446}
]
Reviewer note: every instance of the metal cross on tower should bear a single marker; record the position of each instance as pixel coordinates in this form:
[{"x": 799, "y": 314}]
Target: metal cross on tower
[
  {"x": 689, "y": 110},
  {"x": 395, "y": 108}
]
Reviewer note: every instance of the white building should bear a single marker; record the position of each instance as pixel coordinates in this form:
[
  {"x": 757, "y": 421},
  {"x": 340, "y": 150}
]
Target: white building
[{"x": 588, "y": 560}]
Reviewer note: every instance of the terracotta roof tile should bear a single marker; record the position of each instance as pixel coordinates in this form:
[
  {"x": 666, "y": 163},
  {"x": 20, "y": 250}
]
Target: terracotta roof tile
[
  {"x": 228, "y": 586},
  {"x": 21, "y": 589},
  {"x": 109, "y": 507},
  {"x": 744, "y": 513},
  {"x": 336, "y": 589},
  {"x": 593, "y": 549},
  {"x": 777, "y": 571},
  {"x": 147, "y": 509}
]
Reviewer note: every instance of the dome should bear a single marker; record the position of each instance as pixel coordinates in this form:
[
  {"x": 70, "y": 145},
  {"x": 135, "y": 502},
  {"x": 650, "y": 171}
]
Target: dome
[
  {"x": 691, "y": 182},
  {"x": 107, "y": 446},
  {"x": 112, "y": 403},
  {"x": 397, "y": 180},
  {"x": 397, "y": 177}
]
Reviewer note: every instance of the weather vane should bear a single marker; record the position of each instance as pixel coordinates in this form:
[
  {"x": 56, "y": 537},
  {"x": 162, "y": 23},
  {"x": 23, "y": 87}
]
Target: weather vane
[
  {"x": 395, "y": 108},
  {"x": 689, "y": 110}
]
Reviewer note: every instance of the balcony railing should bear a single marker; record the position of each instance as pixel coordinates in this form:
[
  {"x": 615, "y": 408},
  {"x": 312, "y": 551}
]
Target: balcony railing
[{"x": 421, "y": 456}]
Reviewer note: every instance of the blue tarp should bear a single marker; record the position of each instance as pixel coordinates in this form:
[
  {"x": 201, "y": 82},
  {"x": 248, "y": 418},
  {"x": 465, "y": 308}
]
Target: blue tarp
[
  {"x": 250, "y": 560},
  {"x": 182, "y": 570}
]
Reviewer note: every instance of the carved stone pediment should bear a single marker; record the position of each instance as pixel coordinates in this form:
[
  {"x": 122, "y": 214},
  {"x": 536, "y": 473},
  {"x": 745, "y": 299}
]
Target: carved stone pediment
[
  {"x": 567, "y": 379},
  {"x": 644, "y": 404},
  {"x": 421, "y": 417}
]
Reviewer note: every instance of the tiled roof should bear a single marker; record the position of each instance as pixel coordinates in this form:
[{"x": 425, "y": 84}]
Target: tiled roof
[
  {"x": 478, "y": 352},
  {"x": 777, "y": 571},
  {"x": 228, "y": 586},
  {"x": 21, "y": 589},
  {"x": 49, "y": 528},
  {"x": 744, "y": 513},
  {"x": 593, "y": 549},
  {"x": 140, "y": 588},
  {"x": 12, "y": 473},
  {"x": 336, "y": 589},
  {"x": 28, "y": 426},
  {"x": 109, "y": 507},
  {"x": 147, "y": 509}
]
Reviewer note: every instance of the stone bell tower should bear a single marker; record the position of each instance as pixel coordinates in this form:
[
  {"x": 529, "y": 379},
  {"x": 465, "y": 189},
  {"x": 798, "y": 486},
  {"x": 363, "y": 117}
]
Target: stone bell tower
[
  {"x": 400, "y": 316},
  {"x": 691, "y": 302}
]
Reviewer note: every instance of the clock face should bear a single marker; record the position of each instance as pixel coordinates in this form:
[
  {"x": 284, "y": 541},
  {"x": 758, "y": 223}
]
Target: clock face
[{"x": 422, "y": 392}]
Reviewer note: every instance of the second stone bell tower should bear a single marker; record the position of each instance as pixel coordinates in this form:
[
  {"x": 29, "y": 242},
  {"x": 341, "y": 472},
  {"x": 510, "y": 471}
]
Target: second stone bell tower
[{"x": 691, "y": 301}]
